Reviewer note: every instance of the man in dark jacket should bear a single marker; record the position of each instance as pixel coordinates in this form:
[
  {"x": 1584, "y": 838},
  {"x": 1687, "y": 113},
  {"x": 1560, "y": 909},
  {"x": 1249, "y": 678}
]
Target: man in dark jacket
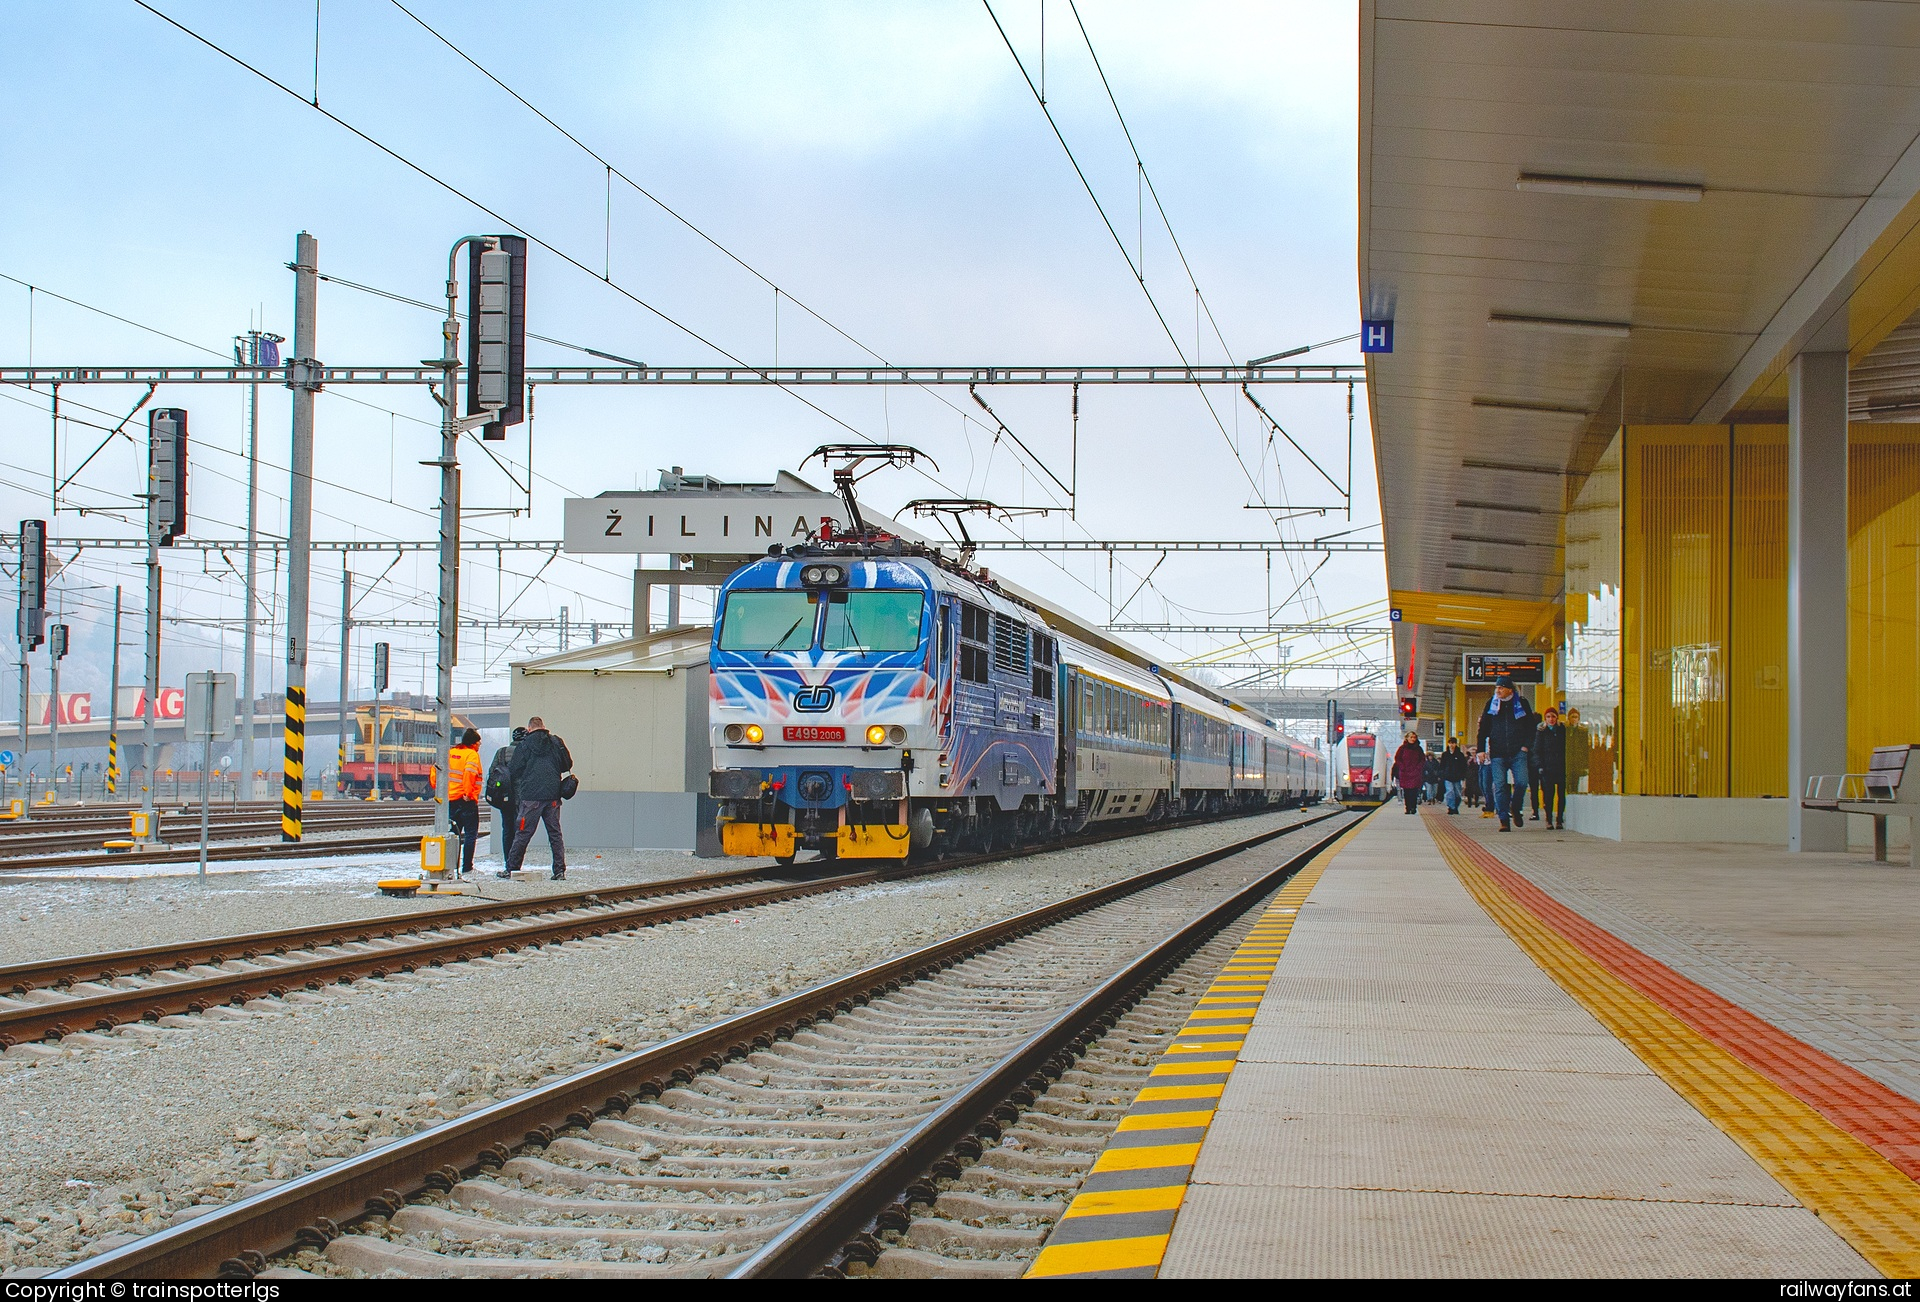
[
  {"x": 1506, "y": 731},
  {"x": 1454, "y": 770},
  {"x": 1550, "y": 759},
  {"x": 499, "y": 791},
  {"x": 539, "y": 761}
]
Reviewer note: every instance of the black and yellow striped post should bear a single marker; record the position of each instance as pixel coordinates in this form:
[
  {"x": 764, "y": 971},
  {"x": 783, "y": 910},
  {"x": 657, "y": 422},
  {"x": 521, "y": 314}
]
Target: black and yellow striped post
[
  {"x": 294, "y": 779},
  {"x": 113, "y": 763}
]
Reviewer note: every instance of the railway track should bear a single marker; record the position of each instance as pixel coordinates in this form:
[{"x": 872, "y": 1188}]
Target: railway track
[
  {"x": 52, "y": 999},
  {"x": 22, "y": 850},
  {"x": 57, "y": 817},
  {"x": 801, "y": 1137}
]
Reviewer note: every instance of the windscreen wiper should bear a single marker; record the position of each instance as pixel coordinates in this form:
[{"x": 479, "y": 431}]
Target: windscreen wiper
[
  {"x": 777, "y": 642},
  {"x": 854, "y": 633}
]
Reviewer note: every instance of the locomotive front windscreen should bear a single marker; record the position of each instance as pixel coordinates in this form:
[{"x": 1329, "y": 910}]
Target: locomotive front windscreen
[
  {"x": 767, "y": 621},
  {"x": 1360, "y": 753},
  {"x": 874, "y": 620}
]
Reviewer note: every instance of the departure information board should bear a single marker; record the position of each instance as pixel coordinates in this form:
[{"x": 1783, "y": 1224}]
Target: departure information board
[{"x": 1478, "y": 668}]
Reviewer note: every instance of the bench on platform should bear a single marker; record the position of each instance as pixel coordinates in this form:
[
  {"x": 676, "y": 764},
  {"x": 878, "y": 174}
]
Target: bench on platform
[{"x": 1881, "y": 792}]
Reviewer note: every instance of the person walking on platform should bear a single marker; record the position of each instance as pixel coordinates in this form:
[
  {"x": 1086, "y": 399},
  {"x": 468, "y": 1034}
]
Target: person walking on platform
[
  {"x": 1430, "y": 779},
  {"x": 1550, "y": 762},
  {"x": 1483, "y": 774},
  {"x": 540, "y": 762},
  {"x": 1410, "y": 770},
  {"x": 1453, "y": 771},
  {"x": 1506, "y": 731},
  {"x": 463, "y": 795}
]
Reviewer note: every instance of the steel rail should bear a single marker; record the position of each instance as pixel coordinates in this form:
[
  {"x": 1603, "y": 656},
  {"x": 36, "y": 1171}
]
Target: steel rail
[
  {"x": 640, "y": 905},
  {"x": 103, "y": 1012},
  {"x": 239, "y": 1240},
  {"x": 848, "y": 1219},
  {"x": 72, "y": 969},
  {"x": 22, "y": 846},
  {"x": 222, "y": 851},
  {"x": 46, "y": 816}
]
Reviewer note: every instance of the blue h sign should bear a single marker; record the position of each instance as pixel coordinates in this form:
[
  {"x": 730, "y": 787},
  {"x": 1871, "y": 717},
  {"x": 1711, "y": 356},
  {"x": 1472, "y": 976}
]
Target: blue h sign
[{"x": 1376, "y": 336}]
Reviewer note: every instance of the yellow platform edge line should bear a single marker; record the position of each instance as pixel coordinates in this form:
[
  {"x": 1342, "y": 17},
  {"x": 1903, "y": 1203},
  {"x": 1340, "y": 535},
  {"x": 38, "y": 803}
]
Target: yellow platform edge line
[
  {"x": 1259, "y": 949},
  {"x": 1855, "y": 1191},
  {"x": 1119, "y": 1202},
  {"x": 1100, "y": 1254}
]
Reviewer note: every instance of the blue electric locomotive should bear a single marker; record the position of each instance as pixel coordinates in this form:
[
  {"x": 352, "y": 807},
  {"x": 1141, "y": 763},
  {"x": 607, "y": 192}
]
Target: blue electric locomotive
[{"x": 869, "y": 699}]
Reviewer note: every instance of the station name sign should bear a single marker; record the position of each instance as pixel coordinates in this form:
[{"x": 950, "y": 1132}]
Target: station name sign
[
  {"x": 1481, "y": 669},
  {"x": 710, "y": 524}
]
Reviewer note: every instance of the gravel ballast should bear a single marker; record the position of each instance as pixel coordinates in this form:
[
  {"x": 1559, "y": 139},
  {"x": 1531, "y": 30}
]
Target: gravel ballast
[{"x": 111, "y": 1135}]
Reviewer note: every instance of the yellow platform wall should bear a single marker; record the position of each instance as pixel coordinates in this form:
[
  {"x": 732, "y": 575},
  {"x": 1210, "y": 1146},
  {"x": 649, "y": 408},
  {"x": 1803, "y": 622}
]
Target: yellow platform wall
[{"x": 1702, "y": 598}]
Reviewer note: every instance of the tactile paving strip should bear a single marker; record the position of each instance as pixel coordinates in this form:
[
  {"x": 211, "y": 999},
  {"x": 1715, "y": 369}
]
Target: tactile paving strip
[
  {"x": 1118, "y": 1225},
  {"x": 1845, "y": 1145}
]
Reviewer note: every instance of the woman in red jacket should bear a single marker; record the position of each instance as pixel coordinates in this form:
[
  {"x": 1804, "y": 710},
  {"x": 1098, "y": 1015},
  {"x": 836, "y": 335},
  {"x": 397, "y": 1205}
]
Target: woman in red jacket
[{"x": 1410, "y": 770}]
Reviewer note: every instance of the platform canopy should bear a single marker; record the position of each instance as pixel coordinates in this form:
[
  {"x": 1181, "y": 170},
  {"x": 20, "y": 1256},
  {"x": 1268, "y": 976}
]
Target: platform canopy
[{"x": 1587, "y": 216}]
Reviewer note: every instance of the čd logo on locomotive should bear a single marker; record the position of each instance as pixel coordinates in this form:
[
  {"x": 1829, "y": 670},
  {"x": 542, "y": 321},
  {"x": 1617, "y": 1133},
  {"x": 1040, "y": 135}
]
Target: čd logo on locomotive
[{"x": 814, "y": 699}]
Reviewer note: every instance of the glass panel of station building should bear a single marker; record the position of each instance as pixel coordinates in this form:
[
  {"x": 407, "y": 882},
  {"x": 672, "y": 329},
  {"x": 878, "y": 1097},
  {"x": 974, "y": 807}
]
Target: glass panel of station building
[
  {"x": 1590, "y": 660},
  {"x": 1883, "y": 606},
  {"x": 1676, "y": 561}
]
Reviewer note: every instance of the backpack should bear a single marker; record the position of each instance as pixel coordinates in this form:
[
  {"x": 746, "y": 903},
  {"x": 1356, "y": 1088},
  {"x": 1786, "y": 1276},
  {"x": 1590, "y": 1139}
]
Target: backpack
[
  {"x": 499, "y": 784},
  {"x": 569, "y": 787}
]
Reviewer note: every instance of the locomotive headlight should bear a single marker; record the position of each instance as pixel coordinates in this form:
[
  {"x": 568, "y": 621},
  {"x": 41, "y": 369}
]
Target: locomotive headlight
[
  {"x": 755, "y": 734},
  {"x": 897, "y": 735},
  {"x": 735, "y": 732},
  {"x": 877, "y": 735}
]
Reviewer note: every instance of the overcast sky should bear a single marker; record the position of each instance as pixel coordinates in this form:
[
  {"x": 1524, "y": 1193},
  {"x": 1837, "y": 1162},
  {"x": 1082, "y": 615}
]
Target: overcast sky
[{"x": 883, "y": 164}]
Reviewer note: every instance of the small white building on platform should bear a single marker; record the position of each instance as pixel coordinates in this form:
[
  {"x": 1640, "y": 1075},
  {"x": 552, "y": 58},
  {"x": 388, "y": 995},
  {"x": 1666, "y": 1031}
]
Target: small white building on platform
[{"x": 634, "y": 716}]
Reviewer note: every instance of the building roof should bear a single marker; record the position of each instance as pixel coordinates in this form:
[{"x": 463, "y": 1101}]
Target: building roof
[
  {"x": 654, "y": 653},
  {"x": 1618, "y": 212}
]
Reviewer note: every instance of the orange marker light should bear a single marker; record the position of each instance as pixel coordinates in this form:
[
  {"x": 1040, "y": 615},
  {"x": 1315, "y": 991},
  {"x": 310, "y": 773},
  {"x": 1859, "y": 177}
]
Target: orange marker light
[
  {"x": 755, "y": 734},
  {"x": 877, "y": 735}
]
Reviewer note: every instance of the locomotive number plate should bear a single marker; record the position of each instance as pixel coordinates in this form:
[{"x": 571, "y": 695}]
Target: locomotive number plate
[{"x": 813, "y": 734}]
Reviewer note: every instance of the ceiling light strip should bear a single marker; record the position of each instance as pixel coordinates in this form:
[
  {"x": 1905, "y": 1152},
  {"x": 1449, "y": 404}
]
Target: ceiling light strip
[
  {"x": 1611, "y": 187},
  {"x": 1564, "y": 325}
]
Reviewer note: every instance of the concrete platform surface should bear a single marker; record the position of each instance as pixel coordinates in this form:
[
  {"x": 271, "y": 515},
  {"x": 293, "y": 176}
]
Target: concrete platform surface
[{"x": 1420, "y": 1096}]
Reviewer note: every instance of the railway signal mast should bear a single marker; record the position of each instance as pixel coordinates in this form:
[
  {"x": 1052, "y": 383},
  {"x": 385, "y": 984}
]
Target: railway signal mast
[
  {"x": 31, "y": 628},
  {"x": 494, "y": 399},
  {"x": 57, "y": 643},
  {"x": 381, "y": 653},
  {"x": 166, "y": 520}
]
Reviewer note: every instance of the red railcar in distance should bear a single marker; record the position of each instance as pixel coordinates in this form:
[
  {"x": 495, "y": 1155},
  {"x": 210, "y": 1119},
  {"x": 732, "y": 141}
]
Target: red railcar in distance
[{"x": 1363, "y": 777}]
